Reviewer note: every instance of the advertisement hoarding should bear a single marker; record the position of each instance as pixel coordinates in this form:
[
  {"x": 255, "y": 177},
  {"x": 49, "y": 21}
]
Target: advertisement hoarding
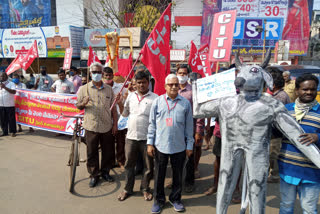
[
  {"x": 286, "y": 19},
  {"x": 22, "y": 14},
  {"x": 52, "y": 41}
]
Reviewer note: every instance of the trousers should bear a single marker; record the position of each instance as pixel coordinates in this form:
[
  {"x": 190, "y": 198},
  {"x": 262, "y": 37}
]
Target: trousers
[
  {"x": 106, "y": 142},
  {"x": 8, "y": 119}
]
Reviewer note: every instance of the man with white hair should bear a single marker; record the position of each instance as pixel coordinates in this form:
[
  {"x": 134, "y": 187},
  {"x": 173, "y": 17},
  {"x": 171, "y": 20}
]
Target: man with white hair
[
  {"x": 289, "y": 86},
  {"x": 99, "y": 123},
  {"x": 170, "y": 135}
]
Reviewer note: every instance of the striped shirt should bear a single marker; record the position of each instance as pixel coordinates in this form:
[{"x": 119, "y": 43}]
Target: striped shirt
[{"x": 294, "y": 164}]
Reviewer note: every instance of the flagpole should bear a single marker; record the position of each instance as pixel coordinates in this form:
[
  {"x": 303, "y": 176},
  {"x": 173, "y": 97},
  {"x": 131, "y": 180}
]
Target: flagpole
[
  {"x": 125, "y": 82},
  {"x": 217, "y": 66},
  {"x": 38, "y": 65},
  {"x": 32, "y": 70}
]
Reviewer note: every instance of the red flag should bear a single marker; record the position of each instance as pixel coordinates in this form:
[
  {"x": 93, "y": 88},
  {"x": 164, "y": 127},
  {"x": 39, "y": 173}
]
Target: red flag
[
  {"x": 195, "y": 61},
  {"x": 156, "y": 51},
  {"x": 14, "y": 65},
  {"x": 30, "y": 56},
  {"x": 124, "y": 66},
  {"x": 92, "y": 57}
]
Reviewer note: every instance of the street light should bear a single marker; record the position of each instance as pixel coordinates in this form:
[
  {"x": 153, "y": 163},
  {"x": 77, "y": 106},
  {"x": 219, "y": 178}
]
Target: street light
[{"x": 259, "y": 29}]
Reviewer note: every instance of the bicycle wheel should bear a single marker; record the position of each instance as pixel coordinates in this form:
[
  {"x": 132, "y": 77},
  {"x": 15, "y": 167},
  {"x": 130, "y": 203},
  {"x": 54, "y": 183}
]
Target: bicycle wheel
[{"x": 74, "y": 162}]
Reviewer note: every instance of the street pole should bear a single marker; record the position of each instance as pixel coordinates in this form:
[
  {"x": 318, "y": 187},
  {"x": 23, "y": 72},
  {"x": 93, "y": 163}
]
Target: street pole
[{"x": 264, "y": 39}]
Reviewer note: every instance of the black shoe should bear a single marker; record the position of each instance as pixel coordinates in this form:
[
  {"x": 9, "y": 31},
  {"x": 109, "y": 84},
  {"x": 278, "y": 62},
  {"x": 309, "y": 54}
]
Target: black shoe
[
  {"x": 107, "y": 177},
  {"x": 3, "y": 135},
  {"x": 93, "y": 182}
]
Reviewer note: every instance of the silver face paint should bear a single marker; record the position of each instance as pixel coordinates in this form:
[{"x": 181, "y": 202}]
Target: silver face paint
[{"x": 245, "y": 122}]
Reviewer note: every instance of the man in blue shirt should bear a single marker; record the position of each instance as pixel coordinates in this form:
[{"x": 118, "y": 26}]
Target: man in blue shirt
[
  {"x": 298, "y": 174},
  {"x": 170, "y": 135}
]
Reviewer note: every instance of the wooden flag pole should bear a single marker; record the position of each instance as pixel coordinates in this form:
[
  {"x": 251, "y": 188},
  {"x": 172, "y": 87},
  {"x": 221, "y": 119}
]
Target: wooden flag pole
[
  {"x": 38, "y": 65},
  {"x": 125, "y": 82},
  {"x": 88, "y": 71},
  {"x": 217, "y": 67}
]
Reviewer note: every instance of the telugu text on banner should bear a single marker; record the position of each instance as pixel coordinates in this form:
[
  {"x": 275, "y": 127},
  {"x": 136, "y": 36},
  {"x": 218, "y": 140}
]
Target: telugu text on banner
[
  {"x": 216, "y": 86},
  {"x": 43, "y": 110}
]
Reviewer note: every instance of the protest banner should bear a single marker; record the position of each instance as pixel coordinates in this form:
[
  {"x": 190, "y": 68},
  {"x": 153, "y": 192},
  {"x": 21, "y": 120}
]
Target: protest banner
[
  {"x": 67, "y": 59},
  {"x": 222, "y": 36},
  {"x": 42, "y": 110},
  {"x": 216, "y": 86}
]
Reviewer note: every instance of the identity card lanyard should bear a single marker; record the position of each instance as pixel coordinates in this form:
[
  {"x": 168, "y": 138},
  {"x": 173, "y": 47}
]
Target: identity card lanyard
[
  {"x": 169, "y": 121},
  {"x": 139, "y": 99}
]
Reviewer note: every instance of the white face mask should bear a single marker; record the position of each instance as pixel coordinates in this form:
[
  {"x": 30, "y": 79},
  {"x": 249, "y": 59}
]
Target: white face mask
[
  {"x": 182, "y": 79},
  {"x": 96, "y": 77}
]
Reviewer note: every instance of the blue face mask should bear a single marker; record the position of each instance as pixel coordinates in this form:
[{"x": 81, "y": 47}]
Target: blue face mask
[
  {"x": 16, "y": 80},
  {"x": 96, "y": 77},
  {"x": 71, "y": 73}
]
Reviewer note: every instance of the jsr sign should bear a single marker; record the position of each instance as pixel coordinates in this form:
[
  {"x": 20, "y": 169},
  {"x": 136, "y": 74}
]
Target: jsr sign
[
  {"x": 222, "y": 36},
  {"x": 246, "y": 29}
]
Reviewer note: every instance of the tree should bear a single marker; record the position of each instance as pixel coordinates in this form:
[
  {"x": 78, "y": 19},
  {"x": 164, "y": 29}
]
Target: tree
[{"x": 125, "y": 13}]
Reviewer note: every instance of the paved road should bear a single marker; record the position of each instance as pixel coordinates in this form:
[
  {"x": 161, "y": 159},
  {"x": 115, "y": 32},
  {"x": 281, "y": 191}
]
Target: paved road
[{"x": 34, "y": 179}]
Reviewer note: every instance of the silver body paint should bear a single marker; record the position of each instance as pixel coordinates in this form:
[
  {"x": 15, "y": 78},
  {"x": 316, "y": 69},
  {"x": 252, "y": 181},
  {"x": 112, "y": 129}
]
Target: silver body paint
[{"x": 246, "y": 120}]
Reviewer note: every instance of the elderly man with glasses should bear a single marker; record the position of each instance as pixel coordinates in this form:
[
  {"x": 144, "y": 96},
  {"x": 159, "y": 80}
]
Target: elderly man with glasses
[{"x": 170, "y": 135}]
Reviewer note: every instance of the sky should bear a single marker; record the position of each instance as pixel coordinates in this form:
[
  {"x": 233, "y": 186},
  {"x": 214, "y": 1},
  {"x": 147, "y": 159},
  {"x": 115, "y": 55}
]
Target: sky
[{"x": 316, "y": 5}]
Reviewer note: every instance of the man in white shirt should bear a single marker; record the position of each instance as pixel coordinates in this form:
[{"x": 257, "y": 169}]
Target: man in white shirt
[
  {"x": 62, "y": 85},
  {"x": 7, "y": 109},
  {"x": 120, "y": 137},
  {"x": 137, "y": 107}
]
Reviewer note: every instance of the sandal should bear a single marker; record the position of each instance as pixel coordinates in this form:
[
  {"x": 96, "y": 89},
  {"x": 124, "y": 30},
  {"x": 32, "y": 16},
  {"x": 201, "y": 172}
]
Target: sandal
[
  {"x": 147, "y": 196},
  {"x": 123, "y": 196}
]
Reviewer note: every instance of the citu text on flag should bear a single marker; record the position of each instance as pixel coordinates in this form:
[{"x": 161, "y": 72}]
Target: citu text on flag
[{"x": 156, "y": 51}]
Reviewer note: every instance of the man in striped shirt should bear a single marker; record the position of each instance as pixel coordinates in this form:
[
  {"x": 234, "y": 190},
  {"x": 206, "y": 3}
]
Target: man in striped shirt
[{"x": 298, "y": 174}]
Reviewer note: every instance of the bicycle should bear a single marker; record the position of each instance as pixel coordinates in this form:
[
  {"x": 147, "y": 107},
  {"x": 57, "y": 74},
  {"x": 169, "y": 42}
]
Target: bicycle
[{"x": 75, "y": 151}]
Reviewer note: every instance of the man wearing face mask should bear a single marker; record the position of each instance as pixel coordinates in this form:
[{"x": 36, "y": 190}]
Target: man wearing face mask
[
  {"x": 7, "y": 109},
  {"x": 74, "y": 78},
  {"x": 43, "y": 82},
  {"x": 193, "y": 161},
  {"x": 100, "y": 124},
  {"x": 62, "y": 85},
  {"x": 120, "y": 137}
]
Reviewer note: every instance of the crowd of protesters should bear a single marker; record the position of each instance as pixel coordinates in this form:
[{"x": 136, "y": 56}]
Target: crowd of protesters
[{"x": 162, "y": 128}]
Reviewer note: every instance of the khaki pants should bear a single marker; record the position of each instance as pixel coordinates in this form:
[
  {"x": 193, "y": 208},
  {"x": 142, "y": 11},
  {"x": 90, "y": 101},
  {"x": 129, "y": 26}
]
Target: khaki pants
[{"x": 275, "y": 146}]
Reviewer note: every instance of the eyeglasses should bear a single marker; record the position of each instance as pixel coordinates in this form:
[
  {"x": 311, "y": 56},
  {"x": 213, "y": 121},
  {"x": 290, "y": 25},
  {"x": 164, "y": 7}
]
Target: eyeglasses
[
  {"x": 96, "y": 72},
  {"x": 173, "y": 84}
]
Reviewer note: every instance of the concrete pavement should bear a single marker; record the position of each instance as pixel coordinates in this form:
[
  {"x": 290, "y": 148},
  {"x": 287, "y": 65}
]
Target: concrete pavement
[{"x": 34, "y": 179}]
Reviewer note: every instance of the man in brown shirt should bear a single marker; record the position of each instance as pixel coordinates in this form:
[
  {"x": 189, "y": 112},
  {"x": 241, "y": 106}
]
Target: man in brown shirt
[{"x": 99, "y": 123}]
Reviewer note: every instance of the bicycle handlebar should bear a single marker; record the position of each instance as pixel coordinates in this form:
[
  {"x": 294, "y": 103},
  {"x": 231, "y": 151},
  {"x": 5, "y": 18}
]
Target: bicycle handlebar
[{"x": 79, "y": 116}]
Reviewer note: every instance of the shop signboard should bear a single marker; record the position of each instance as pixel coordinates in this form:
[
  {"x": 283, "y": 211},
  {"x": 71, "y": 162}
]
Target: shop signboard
[
  {"x": 22, "y": 14},
  {"x": 138, "y": 37}
]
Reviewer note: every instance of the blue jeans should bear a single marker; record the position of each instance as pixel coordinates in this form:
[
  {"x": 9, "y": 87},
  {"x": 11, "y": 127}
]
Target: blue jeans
[{"x": 308, "y": 194}]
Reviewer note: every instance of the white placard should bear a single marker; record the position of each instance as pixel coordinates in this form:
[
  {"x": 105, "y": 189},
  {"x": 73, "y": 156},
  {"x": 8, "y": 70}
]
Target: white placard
[{"x": 216, "y": 86}]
